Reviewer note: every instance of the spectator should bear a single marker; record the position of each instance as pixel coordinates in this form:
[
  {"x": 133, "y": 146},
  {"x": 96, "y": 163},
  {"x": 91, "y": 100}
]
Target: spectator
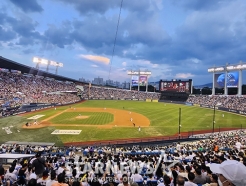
[
  {"x": 32, "y": 182},
  {"x": 61, "y": 181},
  {"x": 45, "y": 178},
  {"x": 10, "y": 175},
  {"x": 191, "y": 177},
  {"x": 214, "y": 180},
  {"x": 39, "y": 165},
  {"x": 230, "y": 172},
  {"x": 180, "y": 181},
  {"x": 52, "y": 178},
  {"x": 124, "y": 180},
  {"x": 167, "y": 180},
  {"x": 199, "y": 178}
]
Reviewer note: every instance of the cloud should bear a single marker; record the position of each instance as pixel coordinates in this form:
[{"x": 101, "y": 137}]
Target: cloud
[
  {"x": 6, "y": 35},
  {"x": 95, "y": 66},
  {"x": 99, "y": 59},
  {"x": 124, "y": 64},
  {"x": 200, "y": 5},
  {"x": 184, "y": 75},
  {"x": 89, "y": 6},
  {"x": 59, "y": 35},
  {"x": 195, "y": 60},
  {"x": 28, "y": 5},
  {"x": 101, "y": 7},
  {"x": 155, "y": 65}
]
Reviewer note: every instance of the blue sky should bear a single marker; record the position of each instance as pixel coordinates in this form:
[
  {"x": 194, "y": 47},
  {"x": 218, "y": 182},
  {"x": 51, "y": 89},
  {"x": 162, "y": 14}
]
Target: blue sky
[{"x": 177, "y": 39}]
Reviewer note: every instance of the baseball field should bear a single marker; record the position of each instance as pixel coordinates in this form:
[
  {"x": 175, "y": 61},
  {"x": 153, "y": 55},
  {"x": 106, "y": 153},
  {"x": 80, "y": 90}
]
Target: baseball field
[{"x": 112, "y": 119}]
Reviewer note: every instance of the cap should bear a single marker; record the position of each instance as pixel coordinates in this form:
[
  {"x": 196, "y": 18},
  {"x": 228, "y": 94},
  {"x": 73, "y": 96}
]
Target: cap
[
  {"x": 232, "y": 170},
  {"x": 46, "y": 173},
  {"x": 38, "y": 154}
]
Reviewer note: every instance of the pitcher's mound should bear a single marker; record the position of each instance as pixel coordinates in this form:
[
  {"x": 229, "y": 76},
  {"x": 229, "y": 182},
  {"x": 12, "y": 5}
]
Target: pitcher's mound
[{"x": 82, "y": 117}]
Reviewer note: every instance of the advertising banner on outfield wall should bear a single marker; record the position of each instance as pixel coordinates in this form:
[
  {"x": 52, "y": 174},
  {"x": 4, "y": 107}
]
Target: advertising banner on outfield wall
[{"x": 225, "y": 109}]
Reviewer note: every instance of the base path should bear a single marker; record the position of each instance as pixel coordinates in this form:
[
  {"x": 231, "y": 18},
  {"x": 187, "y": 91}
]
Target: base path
[{"x": 122, "y": 118}]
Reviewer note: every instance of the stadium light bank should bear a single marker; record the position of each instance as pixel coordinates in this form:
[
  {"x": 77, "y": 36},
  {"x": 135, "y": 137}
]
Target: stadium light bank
[
  {"x": 139, "y": 78},
  {"x": 47, "y": 62},
  {"x": 225, "y": 69}
]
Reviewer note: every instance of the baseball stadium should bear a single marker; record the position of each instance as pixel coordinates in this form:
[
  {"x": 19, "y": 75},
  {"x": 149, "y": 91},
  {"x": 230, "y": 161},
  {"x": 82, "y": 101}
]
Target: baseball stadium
[
  {"x": 73, "y": 113},
  {"x": 147, "y": 118}
]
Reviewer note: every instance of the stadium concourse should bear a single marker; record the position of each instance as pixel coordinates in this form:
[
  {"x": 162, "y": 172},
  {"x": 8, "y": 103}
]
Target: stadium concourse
[{"x": 218, "y": 159}]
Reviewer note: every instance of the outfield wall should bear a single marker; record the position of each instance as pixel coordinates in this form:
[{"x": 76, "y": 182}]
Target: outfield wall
[
  {"x": 176, "y": 102},
  {"x": 132, "y": 99},
  {"x": 36, "y": 106},
  {"x": 225, "y": 109}
]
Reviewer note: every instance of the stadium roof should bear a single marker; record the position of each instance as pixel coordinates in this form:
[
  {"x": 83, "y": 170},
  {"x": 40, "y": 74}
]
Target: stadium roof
[{"x": 12, "y": 65}]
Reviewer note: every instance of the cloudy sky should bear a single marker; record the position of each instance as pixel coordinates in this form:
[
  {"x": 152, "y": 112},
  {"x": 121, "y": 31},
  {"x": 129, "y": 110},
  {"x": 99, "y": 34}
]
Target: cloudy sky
[{"x": 171, "y": 38}]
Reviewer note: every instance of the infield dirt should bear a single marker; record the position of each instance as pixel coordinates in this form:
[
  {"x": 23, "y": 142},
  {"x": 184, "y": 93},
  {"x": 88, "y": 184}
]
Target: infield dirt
[{"x": 122, "y": 118}]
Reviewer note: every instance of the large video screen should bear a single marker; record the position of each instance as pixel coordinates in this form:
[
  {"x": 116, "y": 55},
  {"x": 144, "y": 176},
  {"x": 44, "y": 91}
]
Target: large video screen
[
  {"x": 175, "y": 86},
  {"x": 134, "y": 80},
  {"x": 232, "y": 80},
  {"x": 142, "y": 80}
]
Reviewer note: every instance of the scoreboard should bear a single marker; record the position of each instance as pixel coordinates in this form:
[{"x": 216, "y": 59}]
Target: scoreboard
[{"x": 175, "y": 86}]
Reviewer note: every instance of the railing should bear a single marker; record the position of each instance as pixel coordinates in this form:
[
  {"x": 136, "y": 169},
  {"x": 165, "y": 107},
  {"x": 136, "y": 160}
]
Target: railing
[{"x": 183, "y": 137}]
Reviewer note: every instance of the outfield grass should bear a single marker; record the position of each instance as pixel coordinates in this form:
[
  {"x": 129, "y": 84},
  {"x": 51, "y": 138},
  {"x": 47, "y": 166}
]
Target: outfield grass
[
  {"x": 94, "y": 118},
  {"x": 163, "y": 118}
]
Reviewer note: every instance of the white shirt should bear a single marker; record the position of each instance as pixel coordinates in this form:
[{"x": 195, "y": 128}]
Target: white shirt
[
  {"x": 11, "y": 176},
  {"x": 136, "y": 177},
  {"x": 42, "y": 181},
  {"x": 50, "y": 182},
  {"x": 238, "y": 145},
  {"x": 189, "y": 183},
  {"x": 161, "y": 184},
  {"x": 60, "y": 170}
]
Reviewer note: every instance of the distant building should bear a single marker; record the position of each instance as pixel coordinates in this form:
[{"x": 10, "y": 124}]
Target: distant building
[
  {"x": 98, "y": 81},
  {"x": 117, "y": 84},
  {"x": 83, "y": 80},
  {"x": 110, "y": 82},
  {"x": 125, "y": 85}
]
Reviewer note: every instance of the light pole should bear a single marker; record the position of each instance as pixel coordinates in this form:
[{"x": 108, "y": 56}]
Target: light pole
[
  {"x": 179, "y": 121},
  {"x": 213, "y": 118}
]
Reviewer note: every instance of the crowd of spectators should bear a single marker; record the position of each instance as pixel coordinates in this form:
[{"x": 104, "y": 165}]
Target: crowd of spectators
[
  {"x": 113, "y": 93},
  {"x": 215, "y": 161},
  {"x": 17, "y": 89},
  {"x": 230, "y": 102}
]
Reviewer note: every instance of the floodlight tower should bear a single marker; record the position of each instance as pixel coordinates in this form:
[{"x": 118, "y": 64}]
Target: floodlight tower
[
  {"x": 57, "y": 66},
  {"x": 36, "y": 60},
  {"x": 48, "y": 63},
  {"x": 40, "y": 61}
]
